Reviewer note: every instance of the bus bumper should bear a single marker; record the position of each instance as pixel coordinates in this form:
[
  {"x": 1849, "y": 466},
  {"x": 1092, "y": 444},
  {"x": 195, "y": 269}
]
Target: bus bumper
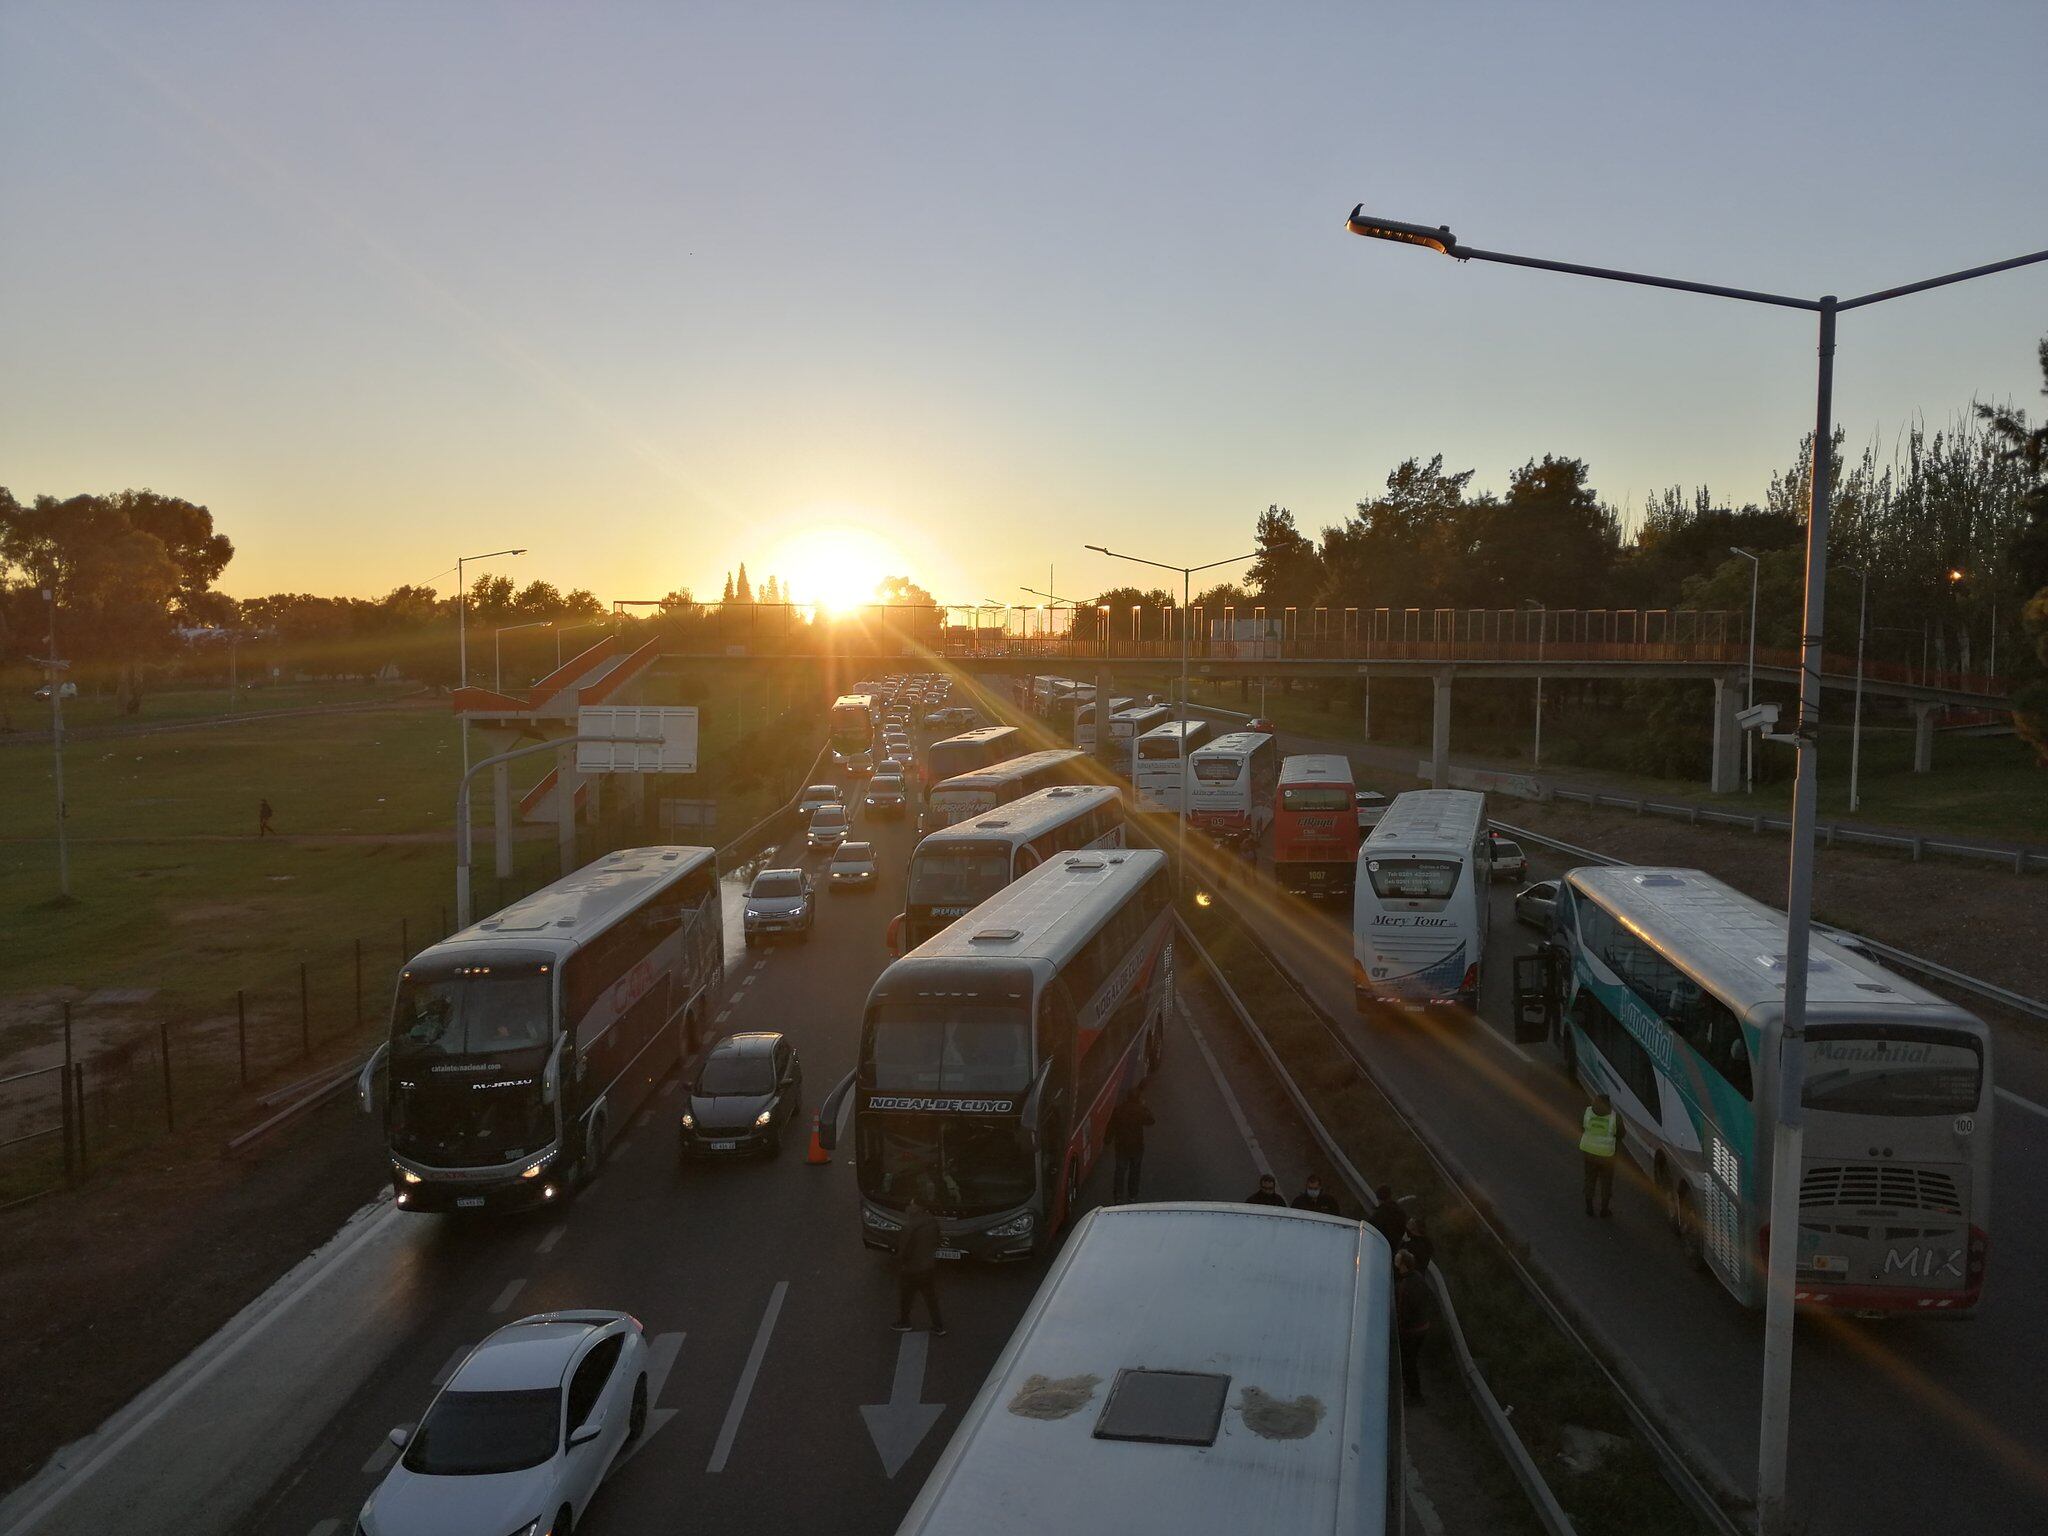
[
  {"x": 1888, "y": 1300},
  {"x": 991, "y": 1240},
  {"x": 437, "y": 1193}
]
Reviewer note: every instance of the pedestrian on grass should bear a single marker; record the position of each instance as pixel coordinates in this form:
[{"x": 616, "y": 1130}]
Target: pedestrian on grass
[
  {"x": 1418, "y": 1244},
  {"x": 1388, "y": 1216},
  {"x": 1600, "y": 1135},
  {"x": 1127, "y": 1124},
  {"x": 917, "y": 1262},
  {"x": 1314, "y": 1197},
  {"x": 263, "y": 815},
  {"x": 1268, "y": 1193},
  {"x": 1412, "y": 1321}
]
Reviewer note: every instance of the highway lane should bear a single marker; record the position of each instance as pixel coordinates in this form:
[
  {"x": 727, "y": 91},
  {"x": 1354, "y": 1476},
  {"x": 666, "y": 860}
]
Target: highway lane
[
  {"x": 1895, "y": 1425},
  {"x": 751, "y": 1278}
]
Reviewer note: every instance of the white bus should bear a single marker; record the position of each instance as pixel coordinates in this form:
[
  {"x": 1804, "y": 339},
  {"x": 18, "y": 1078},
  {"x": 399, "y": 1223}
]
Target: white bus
[
  {"x": 1127, "y": 725},
  {"x": 970, "y": 751},
  {"x": 521, "y": 1044},
  {"x": 958, "y": 868},
  {"x": 1675, "y": 980},
  {"x": 973, "y": 794},
  {"x": 1084, "y": 721},
  {"x": 1231, "y": 795},
  {"x": 992, "y": 1055},
  {"x": 1209, "y": 1370},
  {"x": 1156, "y": 762},
  {"x": 1419, "y": 902},
  {"x": 853, "y": 725}
]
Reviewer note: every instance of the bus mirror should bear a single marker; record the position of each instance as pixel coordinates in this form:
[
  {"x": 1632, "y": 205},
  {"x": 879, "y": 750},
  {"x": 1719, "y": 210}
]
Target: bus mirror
[
  {"x": 896, "y": 933},
  {"x": 828, "y": 1114},
  {"x": 366, "y": 1080},
  {"x": 551, "y": 1074},
  {"x": 1027, "y": 1123}
]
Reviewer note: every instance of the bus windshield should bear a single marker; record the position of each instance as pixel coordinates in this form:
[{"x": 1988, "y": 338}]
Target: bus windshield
[
  {"x": 1159, "y": 749},
  {"x": 1856, "y": 1070},
  {"x": 973, "y": 1166},
  {"x": 471, "y": 1011},
  {"x": 1414, "y": 879},
  {"x": 932, "y": 1046},
  {"x": 958, "y": 874},
  {"x": 1218, "y": 770},
  {"x": 1315, "y": 797}
]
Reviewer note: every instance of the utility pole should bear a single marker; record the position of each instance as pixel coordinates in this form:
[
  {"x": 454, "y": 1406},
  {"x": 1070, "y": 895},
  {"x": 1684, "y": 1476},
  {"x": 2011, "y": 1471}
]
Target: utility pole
[{"x": 55, "y": 673}]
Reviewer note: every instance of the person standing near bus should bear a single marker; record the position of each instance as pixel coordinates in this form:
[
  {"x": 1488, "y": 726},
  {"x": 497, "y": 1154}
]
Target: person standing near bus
[
  {"x": 1411, "y": 1321},
  {"x": 1127, "y": 1124},
  {"x": 1600, "y": 1136},
  {"x": 1314, "y": 1197},
  {"x": 1268, "y": 1193},
  {"x": 917, "y": 1262}
]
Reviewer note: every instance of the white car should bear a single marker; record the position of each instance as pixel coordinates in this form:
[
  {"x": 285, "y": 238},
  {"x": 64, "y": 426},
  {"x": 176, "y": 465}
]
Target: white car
[
  {"x": 1509, "y": 862},
  {"x": 829, "y": 826},
  {"x": 815, "y": 795},
  {"x": 1372, "y": 805},
  {"x": 852, "y": 867},
  {"x": 518, "y": 1441}
]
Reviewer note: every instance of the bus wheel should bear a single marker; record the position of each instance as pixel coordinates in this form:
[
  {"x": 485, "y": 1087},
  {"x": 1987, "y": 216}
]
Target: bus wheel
[{"x": 1688, "y": 1226}]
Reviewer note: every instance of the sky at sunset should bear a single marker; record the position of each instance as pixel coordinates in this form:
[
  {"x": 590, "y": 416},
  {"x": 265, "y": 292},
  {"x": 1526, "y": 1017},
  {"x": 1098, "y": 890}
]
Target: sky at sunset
[{"x": 955, "y": 289}]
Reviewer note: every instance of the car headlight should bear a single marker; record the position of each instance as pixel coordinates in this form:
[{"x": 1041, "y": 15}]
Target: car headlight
[
  {"x": 874, "y": 1218},
  {"x": 1016, "y": 1226},
  {"x": 689, "y": 1121},
  {"x": 407, "y": 1175},
  {"x": 540, "y": 1526},
  {"x": 752, "y": 915},
  {"x": 764, "y": 1117}
]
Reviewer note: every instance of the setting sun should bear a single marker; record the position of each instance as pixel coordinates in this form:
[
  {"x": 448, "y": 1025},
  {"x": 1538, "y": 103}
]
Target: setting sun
[{"x": 837, "y": 565}]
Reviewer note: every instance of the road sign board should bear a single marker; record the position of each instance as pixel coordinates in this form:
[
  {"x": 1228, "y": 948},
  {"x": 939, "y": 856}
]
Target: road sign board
[{"x": 677, "y": 728}]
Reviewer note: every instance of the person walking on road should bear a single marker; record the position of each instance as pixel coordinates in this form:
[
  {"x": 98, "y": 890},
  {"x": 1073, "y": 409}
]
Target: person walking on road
[
  {"x": 1127, "y": 1124},
  {"x": 263, "y": 815},
  {"x": 1600, "y": 1136},
  {"x": 1411, "y": 1321},
  {"x": 917, "y": 1263},
  {"x": 1268, "y": 1193},
  {"x": 1314, "y": 1197},
  {"x": 1417, "y": 1244}
]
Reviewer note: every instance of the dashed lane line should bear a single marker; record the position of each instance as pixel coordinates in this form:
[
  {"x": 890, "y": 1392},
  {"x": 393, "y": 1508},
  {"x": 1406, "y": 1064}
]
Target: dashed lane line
[
  {"x": 512, "y": 1289},
  {"x": 2027, "y": 1104},
  {"x": 380, "y": 1458},
  {"x": 669, "y": 1087},
  {"x": 547, "y": 1244},
  {"x": 441, "y": 1376},
  {"x": 729, "y": 1430},
  {"x": 326, "y": 1527},
  {"x": 1244, "y": 1126}
]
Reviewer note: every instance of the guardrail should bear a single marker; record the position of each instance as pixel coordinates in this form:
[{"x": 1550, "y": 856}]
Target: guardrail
[
  {"x": 1541, "y": 1499},
  {"x": 2020, "y": 860},
  {"x": 2005, "y": 997},
  {"x": 753, "y": 833}
]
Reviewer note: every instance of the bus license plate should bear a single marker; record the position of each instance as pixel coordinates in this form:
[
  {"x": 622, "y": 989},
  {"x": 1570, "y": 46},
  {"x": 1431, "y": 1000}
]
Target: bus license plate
[
  {"x": 952, "y": 1253},
  {"x": 468, "y": 1202},
  {"x": 723, "y": 1146}
]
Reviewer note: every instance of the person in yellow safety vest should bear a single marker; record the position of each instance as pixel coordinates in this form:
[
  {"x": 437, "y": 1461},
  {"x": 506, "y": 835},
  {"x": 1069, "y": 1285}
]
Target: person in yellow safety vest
[{"x": 1600, "y": 1136}]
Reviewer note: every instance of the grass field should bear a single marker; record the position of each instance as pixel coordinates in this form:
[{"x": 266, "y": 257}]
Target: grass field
[{"x": 23, "y": 713}]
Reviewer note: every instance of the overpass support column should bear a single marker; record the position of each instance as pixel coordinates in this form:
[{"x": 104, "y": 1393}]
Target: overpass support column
[
  {"x": 1103, "y": 754},
  {"x": 1440, "y": 733},
  {"x": 1923, "y": 737},
  {"x": 501, "y": 818},
  {"x": 1725, "y": 777},
  {"x": 566, "y": 781}
]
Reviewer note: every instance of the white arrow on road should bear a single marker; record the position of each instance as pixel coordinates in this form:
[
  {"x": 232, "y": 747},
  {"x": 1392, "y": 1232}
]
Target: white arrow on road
[
  {"x": 661, "y": 1359},
  {"x": 899, "y": 1426}
]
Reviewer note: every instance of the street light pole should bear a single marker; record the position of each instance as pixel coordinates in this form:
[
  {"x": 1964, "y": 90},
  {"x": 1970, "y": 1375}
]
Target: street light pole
[
  {"x": 1856, "y": 730},
  {"x": 498, "y": 649},
  {"x": 55, "y": 673},
  {"x": 1756, "y": 566},
  {"x": 1187, "y": 573},
  {"x": 462, "y": 636},
  {"x": 1783, "y": 1054},
  {"x": 1542, "y": 624}
]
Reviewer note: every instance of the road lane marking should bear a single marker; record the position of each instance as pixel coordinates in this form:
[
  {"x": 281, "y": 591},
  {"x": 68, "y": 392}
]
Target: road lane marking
[
  {"x": 547, "y": 1244},
  {"x": 441, "y": 1376},
  {"x": 899, "y": 1426},
  {"x": 505, "y": 1296},
  {"x": 662, "y": 1350},
  {"x": 326, "y": 1527},
  {"x": 2027, "y": 1104},
  {"x": 751, "y": 979},
  {"x": 758, "y": 964},
  {"x": 380, "y": 1458},
  {"x": 1418, "y": 1498},
  {"x": 1244, "y": 1126},
  {"x": 669, "y": 1087},
  {"x": 723, "y": 1014},
  {"x": 730, "y": 1429}
]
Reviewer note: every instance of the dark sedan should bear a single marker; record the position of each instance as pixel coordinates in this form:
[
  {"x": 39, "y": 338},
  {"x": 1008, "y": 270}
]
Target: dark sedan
[{"x": 747, "y": 1091}]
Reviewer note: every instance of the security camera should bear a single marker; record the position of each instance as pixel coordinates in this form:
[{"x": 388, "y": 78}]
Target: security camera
[{"x": 1758, "y": 717}]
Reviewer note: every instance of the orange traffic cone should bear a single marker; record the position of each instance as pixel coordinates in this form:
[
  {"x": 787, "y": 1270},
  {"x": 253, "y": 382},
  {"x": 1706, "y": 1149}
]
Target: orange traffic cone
[{"x": 817, "y": 1154}]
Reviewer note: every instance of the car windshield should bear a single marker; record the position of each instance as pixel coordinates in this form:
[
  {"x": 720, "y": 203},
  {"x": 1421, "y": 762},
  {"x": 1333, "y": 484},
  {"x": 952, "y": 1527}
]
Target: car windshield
[
  {"x": 822, "y": 792},
  {"x": 829, "y": 816},
  {"x": 470, "y": 1434},
  {"x": 854, "y": 853},
  {"x": 1855, "y": 1071},
  {"x": 474, "y": 1011},
  {"x": 1503, "y": 849},
  {"x": 781, "y": 882},
  {"x": 730, "y": 1072},
  {"x": 887, "y": 783},
  {"x": 1414, "y": 879},
  {"x": 918, "y": 1046}
]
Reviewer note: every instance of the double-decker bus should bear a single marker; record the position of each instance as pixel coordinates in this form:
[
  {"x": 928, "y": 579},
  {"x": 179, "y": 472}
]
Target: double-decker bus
[
  {"x": 1419, "y": 901},
  {"x": 972, "y": 794},
  {"x": 1315, "y": 832},
  {"x": 1230, "y": 793},
  {"x": 1084, "y": 721},
  {"x": 1127, "y": 725},
  {"x": 1209, "y": 1370},
  {"x": 519, "y": 1045},
  {"x": 958, "y": 868},
  {"x": 991, "y": 1055},
  {"x": 852, "y": 730},
  {"x": 1156, "y": 763},
  {"x": 970, "y": 751},
  {"x": 1675, "y": 984}
]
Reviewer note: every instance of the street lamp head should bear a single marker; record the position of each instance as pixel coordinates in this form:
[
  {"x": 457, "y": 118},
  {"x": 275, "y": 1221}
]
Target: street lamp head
[
  {"x": 1735, "y": 550},
  {"x": 1954, "y": 577},
  {"x": 1100, "y": 550},
  {"x": 1439, "y": 239}
]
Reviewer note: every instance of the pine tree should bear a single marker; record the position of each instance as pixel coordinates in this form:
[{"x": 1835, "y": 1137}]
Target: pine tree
[
  {"x": 743, "y": 593},
  {"x": 771, "y": 593},
  {"x": 728, "y": 588}
]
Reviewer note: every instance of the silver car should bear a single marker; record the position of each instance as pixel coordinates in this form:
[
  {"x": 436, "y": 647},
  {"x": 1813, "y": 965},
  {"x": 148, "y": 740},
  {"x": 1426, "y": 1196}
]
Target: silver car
[
  {"x": 885, "y": 794},
  {"x": 527, "y": 1427},
  {"x": 1536, "y": 904},
  {"x": 829, "y": 826},
  {"x": 815, "y": 795},
  {"x": 779, "y": 901},
  {"x": 852, "y": 867}
]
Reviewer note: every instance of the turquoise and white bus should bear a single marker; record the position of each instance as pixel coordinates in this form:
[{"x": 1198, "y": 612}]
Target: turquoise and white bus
[{"x": 1674, "y": 981}]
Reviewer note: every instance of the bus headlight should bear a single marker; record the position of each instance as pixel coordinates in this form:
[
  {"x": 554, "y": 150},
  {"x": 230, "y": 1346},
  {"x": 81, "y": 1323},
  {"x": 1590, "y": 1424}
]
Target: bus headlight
[
  {"x": 408, "y": 1176},
  {"x": 689, "y": 1121},
  {"x": 871, "y": 1217},
  {"x": 532, "y": 1169},
  {"x": 1016, "y": 1226},
  {"x": 764, "y": 1117}
]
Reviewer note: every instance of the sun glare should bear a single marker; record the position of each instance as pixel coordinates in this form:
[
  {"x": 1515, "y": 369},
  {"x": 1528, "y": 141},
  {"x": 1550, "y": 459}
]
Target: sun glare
[{"x": 836, "y": 565}]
